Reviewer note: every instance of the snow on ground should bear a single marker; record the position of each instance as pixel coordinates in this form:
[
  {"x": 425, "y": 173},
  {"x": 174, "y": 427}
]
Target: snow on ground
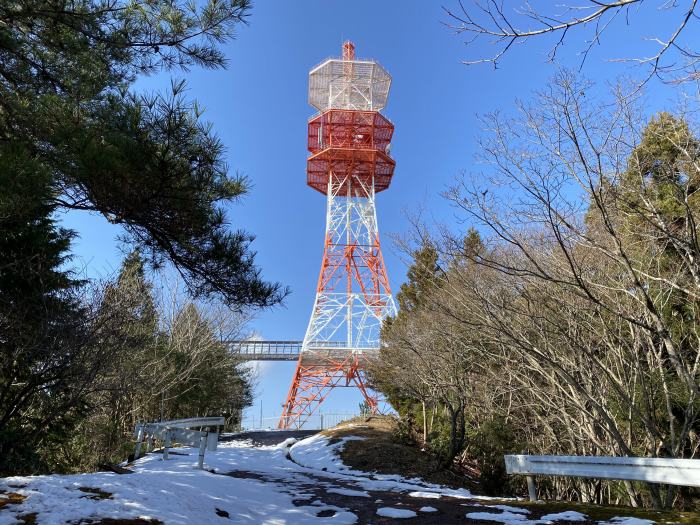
[
  {"x": 518, "y": 516},
  {"x": 510, "y": 518},
  {"x": 349, "y": 492},
  {"x": 569, "y": 515},
  {"x": 627, "y": 521},
  {"x": 317, "y": 452},
  {"x": 293, "y": 483},
  {"x": 390, "y": 512},
  {"x": 508, "y": 508},
  {"x": 173, "y": 491},
  {"x": 423, "y": 494}
]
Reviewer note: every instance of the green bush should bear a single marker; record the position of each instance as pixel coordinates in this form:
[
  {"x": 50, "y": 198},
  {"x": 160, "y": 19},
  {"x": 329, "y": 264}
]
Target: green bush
[
  {"x": 405, "y": 432},
  {"x": 487, "y": 445}
]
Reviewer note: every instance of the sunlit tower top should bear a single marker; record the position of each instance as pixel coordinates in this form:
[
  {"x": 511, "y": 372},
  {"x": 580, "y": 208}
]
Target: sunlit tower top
[
  {"x": 347, "y": 83},
  {"x": 349, "y": 138}
]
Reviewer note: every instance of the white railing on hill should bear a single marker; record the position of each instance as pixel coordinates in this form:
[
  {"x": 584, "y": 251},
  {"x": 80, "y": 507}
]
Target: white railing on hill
[
  {"x": 684, "y": 472},
  {"x": 179, "y": 431}
]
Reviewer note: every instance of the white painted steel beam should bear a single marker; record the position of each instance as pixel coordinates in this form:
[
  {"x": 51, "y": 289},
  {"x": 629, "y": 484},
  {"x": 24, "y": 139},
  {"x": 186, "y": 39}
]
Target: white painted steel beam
[
  {"x": 684, "y": 472},
  {"x": 178, "y": 431},
  {"x": 194, "y": 422}
]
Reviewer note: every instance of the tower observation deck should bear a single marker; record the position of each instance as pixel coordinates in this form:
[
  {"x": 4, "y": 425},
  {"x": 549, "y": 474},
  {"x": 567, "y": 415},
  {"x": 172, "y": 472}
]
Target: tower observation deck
[{"x": 349, "y": 163}]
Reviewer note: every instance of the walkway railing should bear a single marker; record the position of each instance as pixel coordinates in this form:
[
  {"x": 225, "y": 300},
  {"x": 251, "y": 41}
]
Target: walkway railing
[
  {"x": 684, "y": 472},
  {"x": 265, "y": 350},
  {"x": 248, "y": 350},
  {"x": 179, "y": 431}
]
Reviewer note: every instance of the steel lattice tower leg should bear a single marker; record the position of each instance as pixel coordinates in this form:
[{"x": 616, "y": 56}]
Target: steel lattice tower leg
[
  {"x": 352, "y": 299},
  {"x": 349, "y": 163}
]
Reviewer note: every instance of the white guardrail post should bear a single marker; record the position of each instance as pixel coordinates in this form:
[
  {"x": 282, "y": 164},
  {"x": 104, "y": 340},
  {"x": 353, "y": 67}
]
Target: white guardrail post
[
  {"x": 683, "y": 472},
  {"x": 178, "y": 431},
  {"x": 166, "y": 444},
  {"x": 202, "y": 448},
  {"x": 531, "y": 488},
  {"x": 139, "y": 438}
]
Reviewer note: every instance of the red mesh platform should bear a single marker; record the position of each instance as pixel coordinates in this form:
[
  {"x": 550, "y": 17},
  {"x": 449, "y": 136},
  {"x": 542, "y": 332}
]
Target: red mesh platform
[{"x": 350, "y": 146}]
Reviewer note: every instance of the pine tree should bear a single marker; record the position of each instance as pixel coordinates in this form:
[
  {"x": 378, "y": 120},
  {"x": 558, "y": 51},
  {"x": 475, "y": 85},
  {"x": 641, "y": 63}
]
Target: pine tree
[
  {"x": 74, "y": 135},
  {"x": 128, "y": 387},
  {"x": 422, "y": 276},
  {"x": 46, "y": 359},
  {"x": 146, "y": 163}
]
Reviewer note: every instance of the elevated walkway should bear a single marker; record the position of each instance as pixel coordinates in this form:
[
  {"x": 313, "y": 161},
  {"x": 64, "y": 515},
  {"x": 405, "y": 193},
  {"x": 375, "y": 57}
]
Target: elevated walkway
[
  {"x": 316, "y": 353},
  {"x": 266, "y": 350}
]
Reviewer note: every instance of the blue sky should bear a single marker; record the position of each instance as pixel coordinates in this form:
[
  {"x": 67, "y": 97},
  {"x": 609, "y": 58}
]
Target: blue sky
[{"x": 258, "y": 108}]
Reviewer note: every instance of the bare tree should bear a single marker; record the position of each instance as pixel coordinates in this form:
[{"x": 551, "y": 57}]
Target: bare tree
[
  {"x": 163, "y": 358},
  {"x": 592, "y": 212},
  {"x": 673, "y": 59},
  {"x": 574, "y": 315}
]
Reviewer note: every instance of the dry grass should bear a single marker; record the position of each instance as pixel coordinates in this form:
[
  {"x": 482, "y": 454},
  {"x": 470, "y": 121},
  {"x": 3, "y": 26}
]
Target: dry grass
[
  {"x": 379, "y": 452},
  {"x": 10, "y": 498}
]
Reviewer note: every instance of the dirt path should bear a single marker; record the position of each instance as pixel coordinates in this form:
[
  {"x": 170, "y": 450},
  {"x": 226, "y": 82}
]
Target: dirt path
[
  {"x": 317, "y": 490},
  {"x": 329, "y": 494}
]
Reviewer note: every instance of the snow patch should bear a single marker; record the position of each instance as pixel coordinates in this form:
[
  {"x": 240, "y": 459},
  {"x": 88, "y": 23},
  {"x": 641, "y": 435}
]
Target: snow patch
[
  {"x": 343, "y": 518},
  {"x": 508, "y": 508},
  {"x": 619, "y": 520},
  {"x": 518, "y": 516},
  {"x": 286, "y": 443},
  {"x": 422, "y": 494},
  {"x": 317, "y": 452},
  {"x": 349, "y": 492},
  {"x": 569, "y": 515},
  {"x": 391, "y": 512},
  {"x": 428, "y": 509},
  {"x": 510, "y": 518}
]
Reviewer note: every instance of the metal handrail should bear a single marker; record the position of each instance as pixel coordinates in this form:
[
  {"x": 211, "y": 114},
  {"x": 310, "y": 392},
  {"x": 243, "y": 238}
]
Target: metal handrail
[{"x": 178, "y": 430}]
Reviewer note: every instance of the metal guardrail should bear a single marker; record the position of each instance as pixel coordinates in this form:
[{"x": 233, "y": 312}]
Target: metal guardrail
[
  {"x": 178, "y": 431},
  {"x": 684, "y": 472}
]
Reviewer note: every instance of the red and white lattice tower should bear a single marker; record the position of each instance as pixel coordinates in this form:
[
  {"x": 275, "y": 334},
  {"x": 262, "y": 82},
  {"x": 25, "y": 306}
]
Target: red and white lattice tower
[{"x": 349, "y": 163}]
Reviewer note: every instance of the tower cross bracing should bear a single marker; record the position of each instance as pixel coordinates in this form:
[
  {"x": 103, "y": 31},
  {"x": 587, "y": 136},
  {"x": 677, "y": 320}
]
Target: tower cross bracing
[{"x": 349, "y": 163}]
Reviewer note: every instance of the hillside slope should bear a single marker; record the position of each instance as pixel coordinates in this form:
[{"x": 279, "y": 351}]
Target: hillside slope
[{"x": 293, "y": 483}]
